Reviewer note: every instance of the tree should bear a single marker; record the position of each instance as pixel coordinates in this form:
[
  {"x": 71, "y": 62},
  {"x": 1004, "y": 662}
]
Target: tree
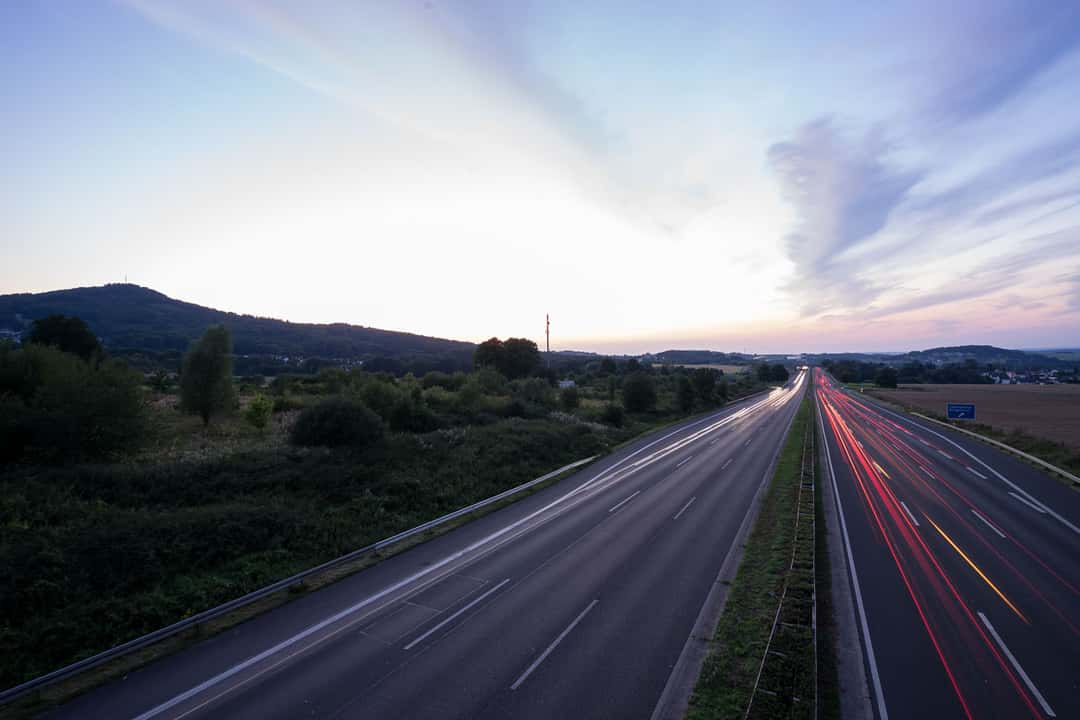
[
  {"x": 520, "y": 358},
  {"x": 516, "y": 358},
  {"x": 684, "y": 393},
  {"x": 55, "y": 406},
  {"x": 206, "y": 387},
  {"x": 67, "y": 334},
  {"x": 489, "y": 354},
  {"x": 639, "y": 392},
  {"x": 778, "y": 373},
  {"x": 258, "y": 411},
  {"x": 886, "y": 377},
  {"x": 704, "y": 380},
  {"x": 764, "y": 372},
  {"x": 607, "y": 366},
  {"x": 569, "y": 398}
]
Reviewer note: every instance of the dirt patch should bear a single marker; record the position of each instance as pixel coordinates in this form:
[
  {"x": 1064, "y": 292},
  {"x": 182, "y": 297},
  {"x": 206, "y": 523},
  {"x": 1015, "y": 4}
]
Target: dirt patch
[{"x": 1046, "y": 411}]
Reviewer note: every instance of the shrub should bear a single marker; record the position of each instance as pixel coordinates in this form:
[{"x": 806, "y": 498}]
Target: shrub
[
  {"x": 534, "y": 390},
  {"x": 442, "y": 380},
  {"x": 613, "y": 415},
  {"x": 258, "y": 411},
  {"x": 337, "y": 423}
]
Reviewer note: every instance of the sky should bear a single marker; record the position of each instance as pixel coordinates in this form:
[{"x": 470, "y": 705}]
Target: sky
[{"x": 752, "y": 177}]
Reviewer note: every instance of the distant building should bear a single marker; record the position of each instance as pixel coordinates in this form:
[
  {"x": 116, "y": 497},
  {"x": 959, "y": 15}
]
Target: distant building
[{"x": 563, "y": 384}]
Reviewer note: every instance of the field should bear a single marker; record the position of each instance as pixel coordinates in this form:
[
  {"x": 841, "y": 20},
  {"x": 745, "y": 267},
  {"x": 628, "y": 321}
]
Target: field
[
  {"x": 1051, "y": 412},
  {"x": 726, "y": 369}
]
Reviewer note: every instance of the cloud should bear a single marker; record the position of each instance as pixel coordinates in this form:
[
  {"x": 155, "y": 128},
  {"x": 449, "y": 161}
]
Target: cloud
[
  {"x": 1042, "y": 162},
  {"x": 1072, "y": 294},
  {"x": 996, "y": 50},
  {"x": 843, "y": 193}
]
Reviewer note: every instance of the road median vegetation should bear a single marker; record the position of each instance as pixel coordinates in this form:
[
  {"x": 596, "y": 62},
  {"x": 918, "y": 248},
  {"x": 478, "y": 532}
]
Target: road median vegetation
[{"x": 773, "y": 587}]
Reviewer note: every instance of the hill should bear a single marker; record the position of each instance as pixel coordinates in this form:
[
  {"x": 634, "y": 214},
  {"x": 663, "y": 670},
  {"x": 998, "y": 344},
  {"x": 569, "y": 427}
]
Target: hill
[
  {"x": 982, "y": 355},
  {"x": 134, "y": 320}
]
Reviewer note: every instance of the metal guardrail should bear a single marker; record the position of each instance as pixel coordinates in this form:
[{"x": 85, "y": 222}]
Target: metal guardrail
[
  {"x": 1038, "y": 461},
  {"x": 227, "y": 607}
]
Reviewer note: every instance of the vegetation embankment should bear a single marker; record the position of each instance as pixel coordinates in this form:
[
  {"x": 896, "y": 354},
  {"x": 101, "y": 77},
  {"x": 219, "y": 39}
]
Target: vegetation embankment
[
  {"x": 1040, "y": 420},
  {"x": 144, "y": 500},
  {"x": 728, "y": 675}
]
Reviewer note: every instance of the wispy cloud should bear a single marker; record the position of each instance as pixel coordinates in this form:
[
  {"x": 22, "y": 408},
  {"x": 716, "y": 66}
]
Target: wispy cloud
[
  {"x": 994, "y": 50},
  {"x": 843, "y": 193}
]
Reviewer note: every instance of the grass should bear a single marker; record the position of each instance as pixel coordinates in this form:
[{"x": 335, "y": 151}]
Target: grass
[{"x": 723, "y": 690}]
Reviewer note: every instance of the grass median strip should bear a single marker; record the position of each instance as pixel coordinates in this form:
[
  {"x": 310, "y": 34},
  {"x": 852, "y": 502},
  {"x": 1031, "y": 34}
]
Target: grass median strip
[{"x": 727, "y": 678}]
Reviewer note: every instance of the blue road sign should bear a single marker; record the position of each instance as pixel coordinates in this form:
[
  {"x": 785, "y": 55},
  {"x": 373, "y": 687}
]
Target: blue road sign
[{"x": 960, "y": 411}]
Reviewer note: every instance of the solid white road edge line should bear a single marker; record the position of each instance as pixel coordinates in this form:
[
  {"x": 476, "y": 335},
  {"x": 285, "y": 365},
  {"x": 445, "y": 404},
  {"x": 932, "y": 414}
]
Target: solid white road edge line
[
  {"x": 684, "y": 507},
  {"x": 879, "y": 695},
  {"x": 1037, "y": 508},
  {"x": 450, "y": 619},
  {"x": 1031, "y": 686},
  {"x": 623, "y": 502},
  {"x": 987, "y": 523},
  {"x": 909, "y": 513},
  {"x": 554, "y": 644}
]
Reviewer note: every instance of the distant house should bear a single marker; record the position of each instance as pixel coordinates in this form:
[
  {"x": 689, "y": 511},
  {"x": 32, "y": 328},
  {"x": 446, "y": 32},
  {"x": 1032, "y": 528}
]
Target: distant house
[{"x": 563, "y": 384}]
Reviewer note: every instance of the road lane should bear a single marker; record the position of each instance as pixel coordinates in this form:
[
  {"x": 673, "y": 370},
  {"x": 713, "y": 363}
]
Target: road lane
[
  {"x": 968, "y": 563},
  {"x": 454, "y": 641}
]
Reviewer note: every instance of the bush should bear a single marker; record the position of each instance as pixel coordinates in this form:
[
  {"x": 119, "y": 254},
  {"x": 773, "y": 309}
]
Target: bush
[
  {"x": 337, "y": 423},
  {"x": 446, "y": 381},
  {"x": 534, "y": 390},
  {"x": 569, "y": 398},
  {"x": 258, "y": 411},
  {"x": 613, "y": 415}
]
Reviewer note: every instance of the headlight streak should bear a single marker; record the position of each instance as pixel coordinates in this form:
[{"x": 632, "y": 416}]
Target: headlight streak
[
  {"x": 976, "y": 568},
  {"x": 916, "y": 563}
]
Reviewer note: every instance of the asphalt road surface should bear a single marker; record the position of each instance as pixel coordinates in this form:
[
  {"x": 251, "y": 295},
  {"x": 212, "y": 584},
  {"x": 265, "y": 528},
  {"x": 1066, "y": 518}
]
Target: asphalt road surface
[
  {"x": 966, "y": 567},
  {"x": 574, "y": 602}
]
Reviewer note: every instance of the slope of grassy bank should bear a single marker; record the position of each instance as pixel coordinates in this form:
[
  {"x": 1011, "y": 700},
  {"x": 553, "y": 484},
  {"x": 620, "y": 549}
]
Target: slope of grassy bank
[{"x": 91, "y": 556}]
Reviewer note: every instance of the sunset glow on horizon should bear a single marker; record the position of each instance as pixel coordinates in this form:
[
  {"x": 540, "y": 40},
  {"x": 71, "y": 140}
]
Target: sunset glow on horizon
[{"x": 741, "y": 177}]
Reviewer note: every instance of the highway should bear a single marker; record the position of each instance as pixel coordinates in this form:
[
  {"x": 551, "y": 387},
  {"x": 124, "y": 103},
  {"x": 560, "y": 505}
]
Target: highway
[
  {"x": 966, "y": 567},
  {"x": 575, "y": 602}
]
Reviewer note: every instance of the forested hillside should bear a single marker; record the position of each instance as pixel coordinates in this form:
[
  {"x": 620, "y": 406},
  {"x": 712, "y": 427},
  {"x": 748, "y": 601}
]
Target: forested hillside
[{"x": 133, "y": 319}]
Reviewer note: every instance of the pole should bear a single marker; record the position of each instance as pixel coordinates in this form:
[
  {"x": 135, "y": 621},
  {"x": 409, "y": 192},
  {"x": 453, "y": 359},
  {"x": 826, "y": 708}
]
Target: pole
[{"x": 547, "y": 337}]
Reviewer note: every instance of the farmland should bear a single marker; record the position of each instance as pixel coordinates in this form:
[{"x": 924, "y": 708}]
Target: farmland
[{"x": 1050, "y": 412}]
